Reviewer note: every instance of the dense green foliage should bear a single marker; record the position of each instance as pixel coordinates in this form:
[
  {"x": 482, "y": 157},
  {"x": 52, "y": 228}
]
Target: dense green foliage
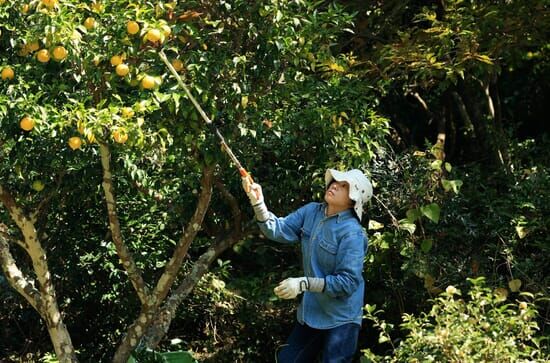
[
  {"x": 483, "y": 328},
  {"x": 296, "y": 87}
]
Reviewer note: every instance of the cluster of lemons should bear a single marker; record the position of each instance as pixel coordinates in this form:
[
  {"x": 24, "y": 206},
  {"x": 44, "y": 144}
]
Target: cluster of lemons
[{"x": 59, "y": 53}]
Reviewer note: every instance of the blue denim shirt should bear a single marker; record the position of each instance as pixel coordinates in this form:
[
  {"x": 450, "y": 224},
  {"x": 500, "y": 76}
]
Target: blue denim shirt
[{"x": 333, "y": 248}]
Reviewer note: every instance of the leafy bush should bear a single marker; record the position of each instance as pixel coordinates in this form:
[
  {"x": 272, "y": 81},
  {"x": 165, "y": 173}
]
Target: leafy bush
[{"x": 487, "y": 327}]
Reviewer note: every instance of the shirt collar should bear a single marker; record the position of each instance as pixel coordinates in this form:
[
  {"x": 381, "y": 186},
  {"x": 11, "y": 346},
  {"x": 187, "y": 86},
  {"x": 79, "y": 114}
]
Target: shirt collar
[{"x": 345, "y": 214}]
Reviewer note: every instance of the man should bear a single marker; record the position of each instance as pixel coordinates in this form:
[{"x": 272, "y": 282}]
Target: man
[{"x": 333, "y": 249}]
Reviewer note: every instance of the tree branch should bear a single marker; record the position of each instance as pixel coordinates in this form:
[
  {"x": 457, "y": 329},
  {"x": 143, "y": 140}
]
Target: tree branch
[
  {"x": 469, "y": 126},
  {"x": 172, "y": 267},
  {"x": 134, "y": 273},
  {"x": 14, "y": 275}
]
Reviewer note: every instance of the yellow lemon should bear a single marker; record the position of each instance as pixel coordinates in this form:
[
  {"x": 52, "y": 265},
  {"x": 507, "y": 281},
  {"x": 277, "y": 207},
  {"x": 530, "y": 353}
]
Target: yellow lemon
[
  {"x": 49, "y": 3},
  {"x": 59, "y": 53},
  {"x": 43, "y": 56},
  {"x": 120, "y": 136},
  {"x": 148, "y": 82},
  {"x": 127, "y": 112},
  {"x": 7, "y": 73},
  {"x": 33, "y": 46},
  {"x": 153, "y": 35},
  {"x": 89, "y": 23},
  {"x": 132, "y": 27},
  {"x": 116, "y": 60},
  {"x": 122, "y": 69},
  {"x": 177, "y": 64},
  {"x": 37, "y": 185},
  {"x": 26, "y": 123},
  {"x": 75, "y": 142},
  {"x": 24, "y": 51}
]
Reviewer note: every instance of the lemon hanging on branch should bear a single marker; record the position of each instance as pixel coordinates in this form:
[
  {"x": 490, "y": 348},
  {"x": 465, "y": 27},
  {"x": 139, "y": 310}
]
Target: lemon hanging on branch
[
  {"x": 43, "y": 56},
  {"x": 26, "y": 123},
  {"x": 89, "y": 23},
  {"x": 7, "y": 73},
  {"x": 116, "y": 60},
  {"x": 153, "y": 35},
  {"x": 49, "y": 3},
  {"x": 150, "y": 82},
  {"x": 38, "y": 185},
  {"x": 120, "y": 136},
  {"x": 75, "y": 142},
  {"x": 122, "y": 69},
  {"x": 132, "y": 27},
  {"x": 59, "y": 53}
]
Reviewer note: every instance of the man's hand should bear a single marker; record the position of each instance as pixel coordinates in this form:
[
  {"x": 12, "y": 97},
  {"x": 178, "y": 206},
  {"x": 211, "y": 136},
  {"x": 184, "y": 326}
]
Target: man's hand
[
  {"x": 291, "y": 287},
  {"x": 253, "y": 190}
]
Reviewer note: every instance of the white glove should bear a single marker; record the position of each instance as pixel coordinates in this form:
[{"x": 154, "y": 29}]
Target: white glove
[
  {"x": 253, "y": 190},
  {"x": 256, "y": 196},
  {"x": 291, "y": 287}
]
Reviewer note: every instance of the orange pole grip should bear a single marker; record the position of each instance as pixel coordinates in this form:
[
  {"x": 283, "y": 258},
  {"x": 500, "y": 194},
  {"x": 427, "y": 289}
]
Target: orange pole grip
[{"x": 249, "y": 179}]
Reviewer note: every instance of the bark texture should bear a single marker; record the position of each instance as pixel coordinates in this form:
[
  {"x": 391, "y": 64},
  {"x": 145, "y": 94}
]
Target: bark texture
[{"x": 42, "y": 298}]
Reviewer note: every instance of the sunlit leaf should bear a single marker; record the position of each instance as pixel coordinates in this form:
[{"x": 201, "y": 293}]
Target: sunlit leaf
[{"x": 431, "y": 211}]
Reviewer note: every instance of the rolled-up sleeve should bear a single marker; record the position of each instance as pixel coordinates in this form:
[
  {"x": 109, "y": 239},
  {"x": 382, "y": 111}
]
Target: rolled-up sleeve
[
  {"x": 284, "y": 229},
  {"x": 348, "y": 273}
]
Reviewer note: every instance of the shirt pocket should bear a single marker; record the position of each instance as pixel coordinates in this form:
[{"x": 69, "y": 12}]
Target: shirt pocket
[{"x": 326, "y": 255}]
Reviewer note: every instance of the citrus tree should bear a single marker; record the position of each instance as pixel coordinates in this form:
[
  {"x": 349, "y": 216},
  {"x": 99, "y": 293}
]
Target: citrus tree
[{"x": 89, "y": 114}]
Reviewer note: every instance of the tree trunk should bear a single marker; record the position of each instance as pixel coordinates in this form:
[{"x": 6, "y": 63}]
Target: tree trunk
[
  {"x": 60, "y": 337},
  {"x": 450, "y": 142},
  {"x": 153, "y": 302},
  {"x": 43, "y": 299},
  {"x": 469, "y": 129},
  {"x": 439, "y": 147},
  {"x": 133, "y": 271},
  {"x": 501, "y": 140}
]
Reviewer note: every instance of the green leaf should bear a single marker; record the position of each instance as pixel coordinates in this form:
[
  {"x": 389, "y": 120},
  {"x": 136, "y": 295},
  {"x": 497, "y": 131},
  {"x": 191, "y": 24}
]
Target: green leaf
[
  {"x": 370, "y": 308},
  {"x": 431, "y": 211},
  {"x": 407, "y": 225},
  {"x": 521, "y": 231},
  {"x": 436, "y": 164},
  {"x": 414, "y": 214},
  {"x": 278, "y": 16},
  {"x": 483, "y": 58},
  {"x": 374, "y": 225},
  {"x": 426, "y": 245},
  {"x": 453, "y": 185}
]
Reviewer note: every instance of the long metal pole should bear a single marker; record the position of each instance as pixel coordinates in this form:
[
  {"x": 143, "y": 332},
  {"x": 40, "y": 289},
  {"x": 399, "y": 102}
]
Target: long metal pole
[{"x": 206, "y": 119}]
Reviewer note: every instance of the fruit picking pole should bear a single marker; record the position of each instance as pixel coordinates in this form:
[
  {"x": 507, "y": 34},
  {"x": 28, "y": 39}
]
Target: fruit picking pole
[{"x": 226, "y": 147}]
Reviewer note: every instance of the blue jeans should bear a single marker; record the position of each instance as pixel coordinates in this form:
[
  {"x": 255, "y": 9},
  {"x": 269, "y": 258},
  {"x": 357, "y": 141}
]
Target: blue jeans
[{"x": 304, "y": 344}]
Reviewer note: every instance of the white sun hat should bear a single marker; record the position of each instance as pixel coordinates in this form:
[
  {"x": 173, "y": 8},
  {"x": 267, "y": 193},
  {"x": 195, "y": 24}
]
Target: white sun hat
[{"x": 360, "y": 187}]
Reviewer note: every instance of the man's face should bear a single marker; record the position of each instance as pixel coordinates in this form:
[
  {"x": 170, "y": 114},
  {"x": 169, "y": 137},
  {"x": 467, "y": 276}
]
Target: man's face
[{"x": 337, "y": 195}]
